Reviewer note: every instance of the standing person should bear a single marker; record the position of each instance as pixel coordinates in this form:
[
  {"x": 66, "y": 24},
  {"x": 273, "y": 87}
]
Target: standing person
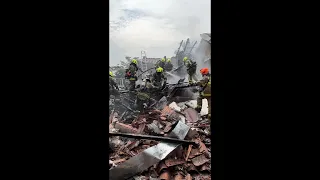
[
  {"x": 205, "y": 91},
  {"x": 191, "y": 69},
  {"x": 168, "y": 65},
  {"x": 131, "y": 74}
]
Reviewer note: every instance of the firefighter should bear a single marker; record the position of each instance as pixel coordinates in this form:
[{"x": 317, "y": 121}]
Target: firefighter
[
  {"x": 131, "y": 74},
  {"x": 158, "y": 78},
  {"x": 191, "y": 69},
  {"x": 161, "y": 63},
  {"x": 113, "y": 87},
  {"x": 143, "y": 95},
  {"x": 205, "y": 90},
  {"x": 168, "y": 66}
]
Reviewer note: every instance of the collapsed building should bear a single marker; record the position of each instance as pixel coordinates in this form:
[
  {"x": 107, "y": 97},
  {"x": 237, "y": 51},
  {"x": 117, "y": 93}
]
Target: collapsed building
[{"x": 169, "y": 139}]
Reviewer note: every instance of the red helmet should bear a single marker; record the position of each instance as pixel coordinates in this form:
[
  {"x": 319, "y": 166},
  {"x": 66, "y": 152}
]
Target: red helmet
[{"x": 204, "y": 71}]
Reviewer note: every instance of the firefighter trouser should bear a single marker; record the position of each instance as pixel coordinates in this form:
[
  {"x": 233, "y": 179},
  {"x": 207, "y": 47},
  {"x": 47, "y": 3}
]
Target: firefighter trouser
[
  {"x": 192, "y": 77},
  {"x": 132, "y": 83},
  {"x": 199, "y": 103}
]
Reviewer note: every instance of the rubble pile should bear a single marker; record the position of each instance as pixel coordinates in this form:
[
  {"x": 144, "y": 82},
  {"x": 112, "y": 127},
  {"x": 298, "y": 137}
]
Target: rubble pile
[{"x": 146, "y": 159}]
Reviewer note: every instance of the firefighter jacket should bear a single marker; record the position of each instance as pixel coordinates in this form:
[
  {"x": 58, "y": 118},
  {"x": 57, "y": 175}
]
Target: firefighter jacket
[{"x": 205, "y": 85}]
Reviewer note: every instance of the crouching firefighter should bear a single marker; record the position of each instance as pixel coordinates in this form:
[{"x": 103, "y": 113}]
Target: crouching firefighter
[
  {"x": 191, "y": 69},
  {"x": 144, "y": 99},
  {"x": 205, "y": 90},
  {"x": 131, "y": 74},
  {"x": 158, "y": 78},
  {"x": 113, "y": 87}
]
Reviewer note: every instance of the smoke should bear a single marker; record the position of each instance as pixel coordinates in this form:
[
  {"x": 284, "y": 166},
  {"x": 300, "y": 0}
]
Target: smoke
[{"x": 200, "y": 56}]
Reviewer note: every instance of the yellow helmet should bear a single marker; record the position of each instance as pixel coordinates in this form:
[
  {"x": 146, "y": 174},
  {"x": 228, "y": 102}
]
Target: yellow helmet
[
  {"x": 110, "y": 74},
  {"x": 134, "y": 61},
  {"x": 169, "y": 60},
  {"x": 159, "y": 69},
  {"x": 163, "y": 60},
  {"x": 185, "y": 58}
]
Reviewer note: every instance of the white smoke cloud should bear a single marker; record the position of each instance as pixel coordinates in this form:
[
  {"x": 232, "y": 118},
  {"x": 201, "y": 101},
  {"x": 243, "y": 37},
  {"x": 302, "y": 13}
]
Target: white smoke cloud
[{"x": 155, "y": 26}]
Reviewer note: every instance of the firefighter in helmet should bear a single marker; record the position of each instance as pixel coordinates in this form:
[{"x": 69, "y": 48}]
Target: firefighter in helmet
[
  {"x": 205, "y": 90},
  {"x": 161, "y": 63},
  {"x": 158, "y": 78},
  {"x": 131, "y": 74},
  {"x": 191, "y": 69},
  {"x": 168, "y": 66}
]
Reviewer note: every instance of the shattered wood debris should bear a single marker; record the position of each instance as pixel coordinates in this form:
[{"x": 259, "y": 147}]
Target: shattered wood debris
[{"x": 135, "y": 157}]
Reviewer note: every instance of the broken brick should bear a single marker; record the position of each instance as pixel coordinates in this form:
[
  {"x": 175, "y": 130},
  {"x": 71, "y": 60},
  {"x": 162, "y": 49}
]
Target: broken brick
[
  {"x": 178, "y": 177},
  {"x": 161, "y": 166},
  {"x": 168, "y": 127},
  {"x": 165, "y": 176},
  {"x": 194, "y": 153},
  {"x": 200, "y": 160},
  {"x": 188, "y": 177},
  {"x": 191, "y": 115},
  {"x": 173, "y": 162},
  {"x": 125, "y": 128}
]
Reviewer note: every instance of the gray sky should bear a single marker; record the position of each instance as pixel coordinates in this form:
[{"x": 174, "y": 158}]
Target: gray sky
[{"x": 155, "y": 26}]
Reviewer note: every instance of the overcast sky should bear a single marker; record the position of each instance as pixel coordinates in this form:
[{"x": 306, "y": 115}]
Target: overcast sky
[{"x": 156, "y": 26}]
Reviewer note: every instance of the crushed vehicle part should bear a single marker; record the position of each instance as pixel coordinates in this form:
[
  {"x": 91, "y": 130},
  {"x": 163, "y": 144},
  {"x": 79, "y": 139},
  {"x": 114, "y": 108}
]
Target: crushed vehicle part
[{"x": 150, "y": 156}]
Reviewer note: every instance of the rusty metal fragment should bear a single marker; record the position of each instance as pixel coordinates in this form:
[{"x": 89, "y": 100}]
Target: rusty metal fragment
[{"x": 148, "y": 157}]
